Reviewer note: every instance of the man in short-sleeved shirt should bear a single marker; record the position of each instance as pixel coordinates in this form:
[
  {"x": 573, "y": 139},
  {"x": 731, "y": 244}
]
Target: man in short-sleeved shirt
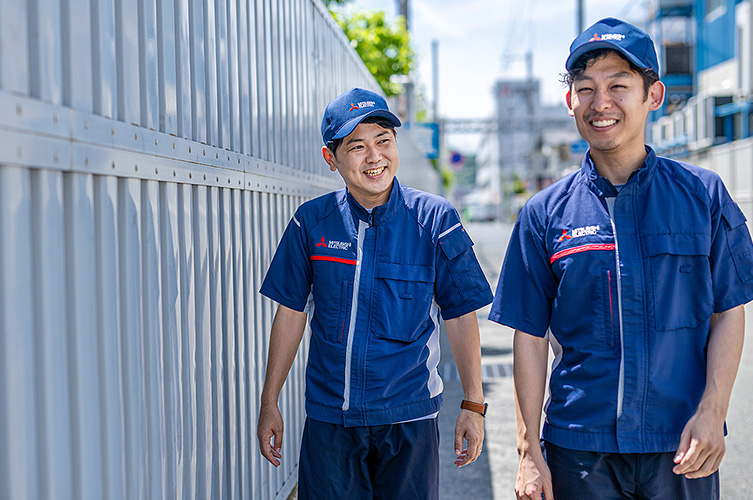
[
  {"x": 373, "y": 266},
  {"x": 635, "y": 270}
]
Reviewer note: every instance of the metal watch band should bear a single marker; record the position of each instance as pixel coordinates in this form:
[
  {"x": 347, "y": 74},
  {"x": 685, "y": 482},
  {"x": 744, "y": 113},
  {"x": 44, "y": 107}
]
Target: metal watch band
[{"x": 479, "y": 408}]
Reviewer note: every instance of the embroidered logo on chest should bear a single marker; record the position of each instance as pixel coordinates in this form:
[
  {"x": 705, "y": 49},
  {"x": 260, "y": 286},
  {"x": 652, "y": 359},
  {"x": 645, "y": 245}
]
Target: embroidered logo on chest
[
  {"x": 335, "y": 245},
  {"x": 579, "y": 232}
]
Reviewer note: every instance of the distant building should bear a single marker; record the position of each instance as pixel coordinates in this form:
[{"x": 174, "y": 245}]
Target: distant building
[
  {"x": 529, "y": 147},
  {"x": 712, "y": 126}
]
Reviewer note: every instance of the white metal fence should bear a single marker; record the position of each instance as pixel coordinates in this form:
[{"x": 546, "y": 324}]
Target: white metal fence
[{"x": 151, "y": 153}]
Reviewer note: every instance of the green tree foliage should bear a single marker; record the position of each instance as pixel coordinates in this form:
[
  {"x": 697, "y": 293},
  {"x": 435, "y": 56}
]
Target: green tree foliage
[{"x": 384, "y": 47}]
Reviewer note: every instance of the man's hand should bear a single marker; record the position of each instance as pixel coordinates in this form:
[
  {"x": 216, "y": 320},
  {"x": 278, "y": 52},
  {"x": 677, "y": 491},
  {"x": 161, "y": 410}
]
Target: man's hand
[
  {"x": 702, "y": 441},
  {"x": 284, "y": 339},
  {"x": 534, "y": 480},
  {"x": 270, "y": 425},
  {"x": 701, "y": 445},
  {"x": 470, "y": 426}
]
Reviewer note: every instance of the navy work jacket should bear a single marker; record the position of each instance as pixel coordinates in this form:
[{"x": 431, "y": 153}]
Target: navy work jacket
[
  {"x": 625, "y": 283},
  {"x": 374, "y": 285}
]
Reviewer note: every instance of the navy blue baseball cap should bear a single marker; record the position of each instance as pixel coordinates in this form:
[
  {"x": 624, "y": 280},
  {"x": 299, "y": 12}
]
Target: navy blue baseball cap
[
  {"x": 343, "y": 114},
  {"x": 611, "y": 33}
]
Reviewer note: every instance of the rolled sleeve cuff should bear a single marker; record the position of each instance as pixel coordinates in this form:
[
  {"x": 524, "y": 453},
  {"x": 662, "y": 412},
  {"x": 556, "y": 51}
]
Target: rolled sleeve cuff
[{"x": 473, "y": 303}]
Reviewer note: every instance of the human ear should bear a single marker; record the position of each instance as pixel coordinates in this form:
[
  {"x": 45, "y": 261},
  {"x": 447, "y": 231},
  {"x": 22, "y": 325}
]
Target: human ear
[
  {"x": 329, "y": 157},
  {"x": 656, "y": 94},
  {"x": 569, "y": 104}
]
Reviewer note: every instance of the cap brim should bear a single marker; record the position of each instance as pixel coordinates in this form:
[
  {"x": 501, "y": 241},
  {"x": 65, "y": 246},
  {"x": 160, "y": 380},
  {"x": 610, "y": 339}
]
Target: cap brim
[
  {"x": 601, "y": 44},
  {"x": 349, "y": 126}
]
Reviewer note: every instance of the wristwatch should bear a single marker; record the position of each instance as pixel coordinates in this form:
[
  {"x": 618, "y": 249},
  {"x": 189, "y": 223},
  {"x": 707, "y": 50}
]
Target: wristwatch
[{"x": 479, "y": 408}]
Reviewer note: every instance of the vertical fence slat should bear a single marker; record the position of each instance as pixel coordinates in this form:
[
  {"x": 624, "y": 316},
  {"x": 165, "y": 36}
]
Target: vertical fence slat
[
  {"x": 253, "y": 77},
  {"x": 242, "y": 78},
  {"x": 187, "y": 297},
  {"x": 18, "y": 412},
  {"x": 213, "y": 345},
  {"x": 262, "y": 34},
  {"x": 243, "y": 389},
  {"x": 259, "y": 472},
  {"x": 131, "y": 337},
  {"x": 232, "y": 62},
  {"x": 147, "y": 32},
  {"x": 275, "y": 82},
  {"x": 210, "y": 70},
  {"x": 167, "y": 69},
  {"x": 221, "y": 74},
  {"x": 108, "y": 324},
  {"x": 77, "y": 54},
  {"x": 172, "y": 340},
  {"x": 104, "y": 66},
  {"x": 128, "y": 65},
  {"x": 202, "y": 358},
  {"x": 197, "y": 71},
  {"x": 14, "y": 48},
  {"x": 152, "y": 338},
  {"x": 183, "y": 68},
  {"x": 228, "y": 273},
  {"x": 45, "y": 50},
  {"x": 52, "y": 362},
  {"x": 82, "y": 337}
]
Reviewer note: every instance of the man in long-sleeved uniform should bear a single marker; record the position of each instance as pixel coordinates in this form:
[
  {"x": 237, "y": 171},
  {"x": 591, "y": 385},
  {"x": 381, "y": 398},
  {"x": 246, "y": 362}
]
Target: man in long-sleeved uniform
[
  {"x": 373, "y": 265},
  {"x": 635, "y": 270}
]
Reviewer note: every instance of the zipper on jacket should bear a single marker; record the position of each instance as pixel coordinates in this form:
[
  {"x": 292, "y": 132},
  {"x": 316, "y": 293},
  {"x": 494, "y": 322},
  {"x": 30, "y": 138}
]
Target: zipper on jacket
[
  {"x": 362, "y": 226},
  {"x": 621, "y": 380}
]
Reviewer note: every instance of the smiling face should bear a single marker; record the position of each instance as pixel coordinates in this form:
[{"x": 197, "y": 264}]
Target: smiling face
[
  {"x": 610, "y": 107},
  {"x": 367, "y": 160}
]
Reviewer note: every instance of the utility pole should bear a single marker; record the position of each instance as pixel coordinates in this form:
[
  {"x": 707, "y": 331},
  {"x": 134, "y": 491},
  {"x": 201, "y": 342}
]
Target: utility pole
[
  {"x": 580, "y": 18},
  {"x": 403, "y": 9},
  {"x": 435, "y": 79}
]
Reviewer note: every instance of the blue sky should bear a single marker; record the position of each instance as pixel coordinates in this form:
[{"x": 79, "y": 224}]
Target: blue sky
[{"x": 481, "y": 41}]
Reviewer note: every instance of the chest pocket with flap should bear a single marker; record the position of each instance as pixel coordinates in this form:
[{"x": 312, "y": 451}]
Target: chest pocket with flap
[
  {"x": 403, "y": 299},
  {"x": 680, "y": 279}
]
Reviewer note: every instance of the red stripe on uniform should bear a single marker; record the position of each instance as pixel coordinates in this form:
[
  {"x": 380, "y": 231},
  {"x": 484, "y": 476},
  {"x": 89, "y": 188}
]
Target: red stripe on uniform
[
  {"x": 584, "y": 248},
  {"x": 334, "y": 259}
]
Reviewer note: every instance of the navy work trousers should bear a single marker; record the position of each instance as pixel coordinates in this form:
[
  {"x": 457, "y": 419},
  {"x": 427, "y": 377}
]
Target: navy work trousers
[
  {"x": 586, "y": 475},
  {"x": 365, "y": 463}
]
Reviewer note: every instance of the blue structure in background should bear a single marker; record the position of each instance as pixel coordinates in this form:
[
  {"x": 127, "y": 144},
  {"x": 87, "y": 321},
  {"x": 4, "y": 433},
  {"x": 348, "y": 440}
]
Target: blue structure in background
[{"x": 704, "y": 49}]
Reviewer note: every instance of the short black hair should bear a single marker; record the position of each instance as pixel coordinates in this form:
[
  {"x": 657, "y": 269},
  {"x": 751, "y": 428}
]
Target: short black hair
[
  {"x": 579, "y": 66},
  {"x": 382, "y": 122}
]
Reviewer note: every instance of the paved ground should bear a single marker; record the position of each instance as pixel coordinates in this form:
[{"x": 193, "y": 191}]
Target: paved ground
[{"x": 492, "y": 476}]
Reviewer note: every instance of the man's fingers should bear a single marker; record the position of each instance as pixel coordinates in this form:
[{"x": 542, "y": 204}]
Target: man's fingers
[
  {"x": 683, "y": 449},
  {"x": 533, "y": 490},
  {"x": 474, "y": 448},
  {"x": 272, "y": 455},
  {"x": 548, "y": 491},
  {"x": 685, "y": 456},
  {"x": 458, "y": 440},
  {"x": 278, "y": 440},
  {"x": 706, "y": 465}
]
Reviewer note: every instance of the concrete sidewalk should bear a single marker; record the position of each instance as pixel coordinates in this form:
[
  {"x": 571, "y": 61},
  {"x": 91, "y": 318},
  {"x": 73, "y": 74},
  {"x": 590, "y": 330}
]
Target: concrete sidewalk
[{"x": 492, "y": 476}]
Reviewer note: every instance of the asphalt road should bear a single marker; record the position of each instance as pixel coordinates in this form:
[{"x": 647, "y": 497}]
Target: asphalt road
[{"x": 493, "y": 475}]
